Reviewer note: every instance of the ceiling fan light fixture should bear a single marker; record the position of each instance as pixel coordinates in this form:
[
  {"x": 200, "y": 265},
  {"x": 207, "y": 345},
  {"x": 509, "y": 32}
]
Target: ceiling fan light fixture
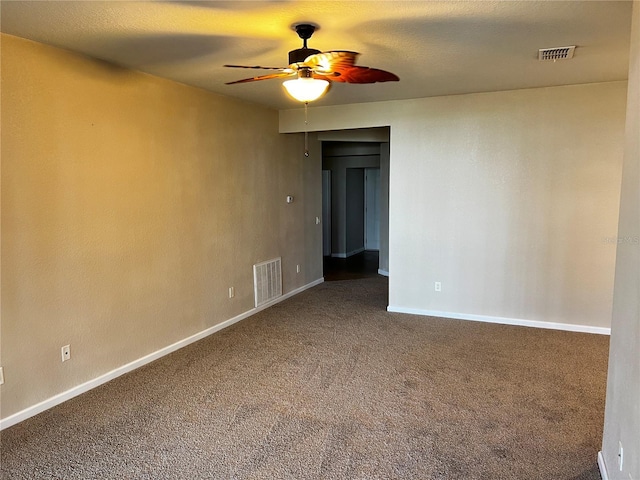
[{"x": 305, "y": 88}]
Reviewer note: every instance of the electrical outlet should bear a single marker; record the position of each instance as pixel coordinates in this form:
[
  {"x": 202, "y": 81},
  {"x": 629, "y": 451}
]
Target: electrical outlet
[
  {"x": 66, "y": 353},
  {"x": 438, "y": 286},
  {"x": 620, "y": 455},
  {"x": 297, "y": 268},
  {"x": 232, "y": 292},
  {"x": 1, "y": 375}
]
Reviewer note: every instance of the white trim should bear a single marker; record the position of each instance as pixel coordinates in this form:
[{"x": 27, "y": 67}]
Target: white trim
[
  {"x": 84, "y": 387},
  {"x": 602, "y": 466},
  {"x": 383, "y": 272},
  {"x": 503, "y": 320}
]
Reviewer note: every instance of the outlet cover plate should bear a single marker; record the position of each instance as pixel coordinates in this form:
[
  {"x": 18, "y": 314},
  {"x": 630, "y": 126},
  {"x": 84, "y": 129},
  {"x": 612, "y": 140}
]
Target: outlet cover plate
[{"x": 66, "y": 353}]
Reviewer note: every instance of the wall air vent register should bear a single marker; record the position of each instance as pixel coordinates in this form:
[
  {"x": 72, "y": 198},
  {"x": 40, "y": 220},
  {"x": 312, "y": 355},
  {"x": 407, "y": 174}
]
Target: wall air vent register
[{"x": 556, "y": 53}]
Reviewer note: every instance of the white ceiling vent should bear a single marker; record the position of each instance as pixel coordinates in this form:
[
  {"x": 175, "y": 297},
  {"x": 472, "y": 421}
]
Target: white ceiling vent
[{"x": 556, "y": 53}]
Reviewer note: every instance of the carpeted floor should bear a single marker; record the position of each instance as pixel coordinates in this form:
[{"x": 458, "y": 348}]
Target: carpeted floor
[{"x": 329, "y": 385}]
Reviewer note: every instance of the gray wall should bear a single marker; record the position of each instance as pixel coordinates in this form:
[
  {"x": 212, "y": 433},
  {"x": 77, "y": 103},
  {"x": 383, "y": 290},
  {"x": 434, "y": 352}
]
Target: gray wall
[
  {"x": 384, "y": 208},
  {"x": 355, "y": 211},
  {"x": 509, "y": 199},
  {"x": 622, "y": 413}
]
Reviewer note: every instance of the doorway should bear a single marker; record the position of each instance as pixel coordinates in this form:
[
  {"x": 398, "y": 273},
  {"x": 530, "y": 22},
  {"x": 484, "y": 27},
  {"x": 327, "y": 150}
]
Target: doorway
[
  {"x": 355, "y": 226},
  {"x": 372, "y": 209}
]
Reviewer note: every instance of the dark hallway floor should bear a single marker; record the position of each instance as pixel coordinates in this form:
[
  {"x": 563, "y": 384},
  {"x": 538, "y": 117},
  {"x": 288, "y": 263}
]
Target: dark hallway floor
[{"x": 362, "y": 265}]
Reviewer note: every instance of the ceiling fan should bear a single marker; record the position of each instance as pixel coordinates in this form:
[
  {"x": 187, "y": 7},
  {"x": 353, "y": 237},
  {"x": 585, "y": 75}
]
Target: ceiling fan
[{"x": 315, "y": 70}]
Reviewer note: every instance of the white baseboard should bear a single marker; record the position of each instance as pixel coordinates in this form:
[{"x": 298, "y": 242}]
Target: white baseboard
[
  {"x": 348, "y": 254},
  {"x": 602, "y": 467},
  {"x": 503, "y": 320},
  {"x": 383, "y": 272},
  {"x": 84, "y": 387}
]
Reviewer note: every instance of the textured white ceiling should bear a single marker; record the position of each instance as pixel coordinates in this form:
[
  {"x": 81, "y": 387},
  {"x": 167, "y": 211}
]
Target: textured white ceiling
[{"x": 436, "y": 48}]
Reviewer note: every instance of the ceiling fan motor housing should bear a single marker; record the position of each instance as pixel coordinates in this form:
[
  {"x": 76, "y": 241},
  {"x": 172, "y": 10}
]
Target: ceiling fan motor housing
[{"x": 300, "y": 54}]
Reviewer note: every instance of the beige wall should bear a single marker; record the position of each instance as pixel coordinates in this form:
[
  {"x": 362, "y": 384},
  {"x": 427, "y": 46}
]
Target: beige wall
[
  {"x": 130, "y": 205},
  {"x": 622, "y": 413},
  {"x": 509, "y": 199}
]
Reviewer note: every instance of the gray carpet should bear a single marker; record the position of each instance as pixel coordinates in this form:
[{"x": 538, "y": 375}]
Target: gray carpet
[{"x": 328, "y": 385}]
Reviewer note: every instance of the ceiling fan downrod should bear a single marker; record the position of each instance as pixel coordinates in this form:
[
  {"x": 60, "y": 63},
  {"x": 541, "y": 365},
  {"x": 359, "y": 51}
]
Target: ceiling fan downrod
[{"x": 304, "y": 31}]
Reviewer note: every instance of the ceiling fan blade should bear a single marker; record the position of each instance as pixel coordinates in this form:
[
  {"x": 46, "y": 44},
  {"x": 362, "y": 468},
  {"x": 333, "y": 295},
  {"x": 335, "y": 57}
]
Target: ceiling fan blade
[
  {"x": 355, "y": 74},
  {"x": 254, "y": 66},
  {"x": 341, "y": 63},
  {"x": 286, "y": 73},
  {"x": 332, "y": 61}
]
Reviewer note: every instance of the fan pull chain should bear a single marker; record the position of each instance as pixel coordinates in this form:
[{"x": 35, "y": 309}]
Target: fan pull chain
[{"x": 306, "y": 132}]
